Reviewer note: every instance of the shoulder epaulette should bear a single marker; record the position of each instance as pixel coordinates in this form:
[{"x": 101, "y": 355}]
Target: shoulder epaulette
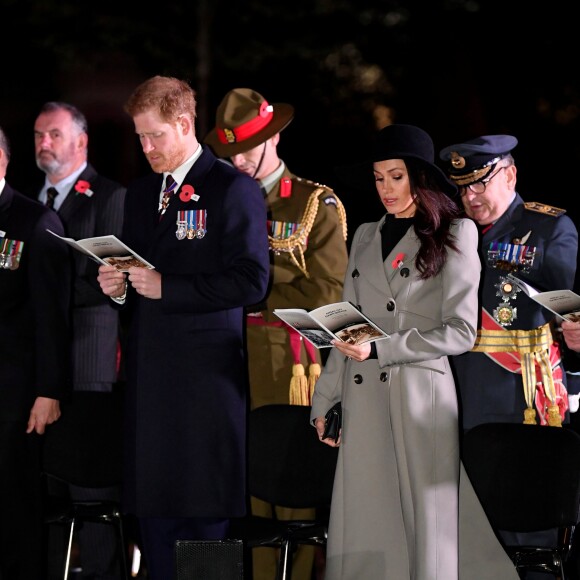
[
  {"x": 313, "y": 184},
  {"x": 544, "y": 208},
  {"x": 308, "y": 181}
]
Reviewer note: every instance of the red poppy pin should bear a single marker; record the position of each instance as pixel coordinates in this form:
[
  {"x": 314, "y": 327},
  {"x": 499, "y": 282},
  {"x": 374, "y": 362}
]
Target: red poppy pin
[
  {"x": 83, "y": 187},
  {"x": 398, "y": 261},
  {"x": 187, "y": 192}
]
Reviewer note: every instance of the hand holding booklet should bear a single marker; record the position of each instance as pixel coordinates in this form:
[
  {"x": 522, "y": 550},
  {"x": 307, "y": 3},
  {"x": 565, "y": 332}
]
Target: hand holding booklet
[
  {"x": 337, "y": 321},
  {"x": 565, "y": 304},
  {"x": 108, "y": 250}
]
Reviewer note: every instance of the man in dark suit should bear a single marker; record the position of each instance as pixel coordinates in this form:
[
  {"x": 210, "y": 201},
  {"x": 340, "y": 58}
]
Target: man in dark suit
[
  {"x": 200, "y": 223},
  {"x": 89, "y": 205},
  {"x": 307, "y": 232},
  {"x": 35, "y": 276}
]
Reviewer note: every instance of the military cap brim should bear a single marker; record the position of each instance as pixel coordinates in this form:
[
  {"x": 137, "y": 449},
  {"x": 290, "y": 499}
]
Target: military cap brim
[{"x": 475, "y": 160}]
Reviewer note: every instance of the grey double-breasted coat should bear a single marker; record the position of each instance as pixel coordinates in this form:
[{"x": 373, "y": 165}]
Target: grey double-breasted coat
[{"x": 397, "y": 506}]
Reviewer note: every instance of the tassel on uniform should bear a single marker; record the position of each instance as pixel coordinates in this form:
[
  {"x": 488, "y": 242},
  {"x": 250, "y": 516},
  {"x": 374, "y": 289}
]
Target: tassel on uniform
[
  {"x": 305, "y": 398},
  {"x": 298, "y": 385},
  {"x": 301, "y": 386},
  {"x": 530, "y": 416},
  {"x": 554, "y": 419},
  {"x": 313, "y": 374}
]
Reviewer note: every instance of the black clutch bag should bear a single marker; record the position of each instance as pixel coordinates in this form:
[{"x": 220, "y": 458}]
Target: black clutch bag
[{"x": 333, "y": 422}]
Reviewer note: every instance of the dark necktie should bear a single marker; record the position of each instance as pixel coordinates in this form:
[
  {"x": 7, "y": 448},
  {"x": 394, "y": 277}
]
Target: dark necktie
[
  {"x": 167, "y": 193},
  {"x": 51, "y": 193}
]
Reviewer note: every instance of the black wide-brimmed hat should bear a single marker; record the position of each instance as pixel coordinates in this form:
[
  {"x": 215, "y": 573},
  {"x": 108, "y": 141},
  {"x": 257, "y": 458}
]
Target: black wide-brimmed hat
[
  {"x": 244, "y": 120},
  {"x": 400, "y": 141}
]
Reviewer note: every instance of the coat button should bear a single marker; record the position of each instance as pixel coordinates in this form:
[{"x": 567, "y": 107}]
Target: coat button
[
  {"x": 358, "y": 379},
  {"x": 355, "y": 274},
  {"x": 405, "y": 272},
  {"x": 390, "y": 305},
  {"x": 384, "y": 377}
]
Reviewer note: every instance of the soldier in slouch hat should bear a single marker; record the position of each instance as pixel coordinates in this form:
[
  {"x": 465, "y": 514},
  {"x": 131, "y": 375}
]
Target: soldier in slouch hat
[{"x": 307, "y": 233}]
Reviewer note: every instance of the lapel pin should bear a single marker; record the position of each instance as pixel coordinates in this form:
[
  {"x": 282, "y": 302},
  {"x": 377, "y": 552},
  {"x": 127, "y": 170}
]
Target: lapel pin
[
  {"x": 187, "y": 193},
  {"x": 398, "y": 261}
]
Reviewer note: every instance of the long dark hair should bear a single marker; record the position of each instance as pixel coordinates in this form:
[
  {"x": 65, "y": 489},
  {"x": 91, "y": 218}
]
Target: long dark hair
[{"x": 435, "y": 212}]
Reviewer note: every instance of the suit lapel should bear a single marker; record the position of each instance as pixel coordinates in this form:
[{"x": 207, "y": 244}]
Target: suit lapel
[
  {"x": 75, "y": 201},
  {"x": 6, "y": 198},
  {"x": 379, "y": 273},
  {"x": 369, "y": 260},
  {"x": 195, "y": 179},
  {"x": 405, "y": 252}
]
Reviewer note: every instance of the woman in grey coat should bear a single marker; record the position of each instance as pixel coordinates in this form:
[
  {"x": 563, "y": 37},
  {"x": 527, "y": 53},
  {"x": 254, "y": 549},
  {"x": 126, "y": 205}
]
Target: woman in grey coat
[{"x": 402, "y": 507}]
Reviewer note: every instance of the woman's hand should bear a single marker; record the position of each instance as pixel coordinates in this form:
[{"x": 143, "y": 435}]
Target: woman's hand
[
  {"x": 357, "y": 352},
  {"x": 320, "y": 423}
]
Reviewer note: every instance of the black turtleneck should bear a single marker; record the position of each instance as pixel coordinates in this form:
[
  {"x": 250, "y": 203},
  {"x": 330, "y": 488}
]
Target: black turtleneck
[{"x": 392, "y": 231}]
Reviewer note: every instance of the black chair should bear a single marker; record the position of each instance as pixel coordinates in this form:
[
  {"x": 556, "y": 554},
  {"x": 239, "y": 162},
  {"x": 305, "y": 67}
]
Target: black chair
[
  {"x": 527, "y": 478},
  {"x": 287, "y": 466},
  {"x": 84, "y": 448},
  {"x": 209, "y": 560}
]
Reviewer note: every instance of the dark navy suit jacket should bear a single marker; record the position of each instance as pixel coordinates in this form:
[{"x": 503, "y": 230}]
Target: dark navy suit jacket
[
  {"x": 187, "y": 373},
  {"x": 95, "y": 321},
  {"x": 34, "y": 308}
]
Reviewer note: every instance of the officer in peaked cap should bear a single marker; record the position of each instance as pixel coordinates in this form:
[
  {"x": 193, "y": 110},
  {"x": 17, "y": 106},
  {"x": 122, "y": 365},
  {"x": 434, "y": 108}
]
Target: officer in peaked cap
[
  {"x": 537, "y": 243},
  {"x": 307, "y": 233},
  {"x": 475, "y": 161}
]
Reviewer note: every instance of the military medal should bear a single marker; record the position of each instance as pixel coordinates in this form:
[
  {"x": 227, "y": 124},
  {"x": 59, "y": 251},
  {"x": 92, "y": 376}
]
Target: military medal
[
  {"x": 282, "y": 231},
  {"x": 167, "y": 193},
  {"x": 190, "y": 225},
  {"x": 507, "y": 289},
  {"x": 505, "y": 313},
  {"x": 181, "y": 232},
  {"x": 201, "y": 223},
  {"x": 512, "y": 257},
  {"x": 10, "y": 253}
]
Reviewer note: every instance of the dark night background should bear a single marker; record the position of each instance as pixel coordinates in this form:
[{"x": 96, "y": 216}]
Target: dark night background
[{"x": 457, "y": 68}]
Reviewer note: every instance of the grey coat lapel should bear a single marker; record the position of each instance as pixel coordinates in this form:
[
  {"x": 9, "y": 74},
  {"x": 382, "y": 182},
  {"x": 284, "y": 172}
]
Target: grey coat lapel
[{"x": 370, "y": 264}]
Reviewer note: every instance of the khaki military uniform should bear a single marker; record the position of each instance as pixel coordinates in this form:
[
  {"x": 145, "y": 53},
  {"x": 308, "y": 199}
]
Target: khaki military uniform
[
  {"x": 298, "y": 280},
  {"x": 324, "y": 261}
]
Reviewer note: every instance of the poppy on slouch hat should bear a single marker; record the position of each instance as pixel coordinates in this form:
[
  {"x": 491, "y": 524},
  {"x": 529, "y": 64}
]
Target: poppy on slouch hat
[
  {"x": 244, "y": 120},
  {"x": 475, "y": 159},
  {"x": 401, "y": 141}
]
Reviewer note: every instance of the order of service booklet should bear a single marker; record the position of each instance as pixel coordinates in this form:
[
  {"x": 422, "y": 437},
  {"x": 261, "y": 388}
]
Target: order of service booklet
[
  {"x": 337, "y": 321},
  {"x": 108, "y": 250},
  {"x": 563, "y": 303}
]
